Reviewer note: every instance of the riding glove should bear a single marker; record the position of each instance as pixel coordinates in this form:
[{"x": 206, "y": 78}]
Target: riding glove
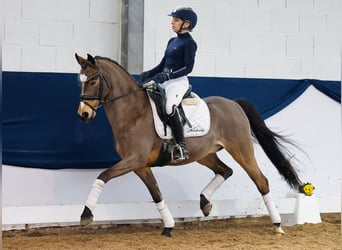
[{"x": 161, "y": 77}]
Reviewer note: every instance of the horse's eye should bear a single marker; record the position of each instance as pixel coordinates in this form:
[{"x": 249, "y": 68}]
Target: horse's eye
[{"x": 92, "y": 83}]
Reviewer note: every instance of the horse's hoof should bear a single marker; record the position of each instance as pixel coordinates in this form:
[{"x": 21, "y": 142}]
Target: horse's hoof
[
  {"x": 86, "y": 217},
  {"x": 205, "y": 205},
  {"x": 86, "y": 221},
  {"x": 278, "y": 231},
  {"x": 167, "y": 232},
  {"x": 207, "y": 209}
]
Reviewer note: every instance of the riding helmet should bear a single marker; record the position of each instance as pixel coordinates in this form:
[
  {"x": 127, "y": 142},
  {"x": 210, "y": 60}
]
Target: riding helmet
[{"x": 186, "y": 14}]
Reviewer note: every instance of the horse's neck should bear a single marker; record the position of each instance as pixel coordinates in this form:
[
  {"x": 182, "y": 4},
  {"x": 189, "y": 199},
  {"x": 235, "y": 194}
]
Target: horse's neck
[{"x": 126, "y": 110}]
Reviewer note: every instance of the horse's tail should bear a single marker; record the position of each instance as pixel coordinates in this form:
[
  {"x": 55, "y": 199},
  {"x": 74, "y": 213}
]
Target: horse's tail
[{"x": 271, "y": 143}]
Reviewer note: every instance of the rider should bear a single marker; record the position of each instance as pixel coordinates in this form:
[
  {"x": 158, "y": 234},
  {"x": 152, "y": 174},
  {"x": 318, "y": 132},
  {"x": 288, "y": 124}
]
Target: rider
[{"x": 172, "y": 71}]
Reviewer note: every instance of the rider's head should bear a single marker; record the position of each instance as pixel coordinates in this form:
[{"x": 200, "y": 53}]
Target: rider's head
[{"x": 187, "y": 16}]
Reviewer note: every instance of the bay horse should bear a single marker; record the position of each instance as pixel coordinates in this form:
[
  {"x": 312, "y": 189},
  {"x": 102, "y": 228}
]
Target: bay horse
[{"x": 103, "y": 82}]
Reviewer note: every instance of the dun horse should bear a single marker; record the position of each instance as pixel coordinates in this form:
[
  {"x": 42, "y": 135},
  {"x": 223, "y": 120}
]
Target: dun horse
[{"x": 232, "y": 126}]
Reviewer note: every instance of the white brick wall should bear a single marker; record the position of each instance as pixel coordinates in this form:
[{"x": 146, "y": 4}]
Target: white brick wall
[
  {"x": 43, "y": 35},
  {"x": 290, "y": 39}
]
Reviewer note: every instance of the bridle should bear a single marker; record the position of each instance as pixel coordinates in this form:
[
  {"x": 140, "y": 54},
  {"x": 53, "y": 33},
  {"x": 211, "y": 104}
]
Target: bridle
[{"x": 99, "y": 97}]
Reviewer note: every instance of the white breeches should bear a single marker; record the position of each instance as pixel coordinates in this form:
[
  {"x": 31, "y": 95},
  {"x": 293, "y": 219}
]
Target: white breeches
[{"x": 175, "y": 90}]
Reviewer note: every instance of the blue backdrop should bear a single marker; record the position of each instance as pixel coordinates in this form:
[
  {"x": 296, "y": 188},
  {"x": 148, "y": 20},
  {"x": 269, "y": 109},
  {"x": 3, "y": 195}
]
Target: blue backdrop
[{"x": 41, "y": 129}]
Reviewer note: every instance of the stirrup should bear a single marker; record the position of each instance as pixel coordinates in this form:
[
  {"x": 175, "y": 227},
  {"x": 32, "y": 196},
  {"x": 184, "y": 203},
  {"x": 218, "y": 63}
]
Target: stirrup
[{"x": 178, "y": 154}]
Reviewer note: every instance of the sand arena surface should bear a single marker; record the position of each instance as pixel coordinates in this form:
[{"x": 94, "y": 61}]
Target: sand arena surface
[{"x": 234, "y": 233}]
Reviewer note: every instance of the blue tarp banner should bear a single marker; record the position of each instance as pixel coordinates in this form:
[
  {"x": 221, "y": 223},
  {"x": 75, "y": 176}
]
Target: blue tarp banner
[{"x": 41, "y": 129}]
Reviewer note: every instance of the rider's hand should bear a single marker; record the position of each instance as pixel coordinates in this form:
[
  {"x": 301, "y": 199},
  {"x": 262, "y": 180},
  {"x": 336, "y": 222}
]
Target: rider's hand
[
  {"x": 149, "y": 84},
  {"x": 161, "y": 77}
]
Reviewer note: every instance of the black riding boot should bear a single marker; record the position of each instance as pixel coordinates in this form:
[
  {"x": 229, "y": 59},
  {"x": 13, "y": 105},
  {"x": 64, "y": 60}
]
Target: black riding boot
[{"x": 180, "y": 153}]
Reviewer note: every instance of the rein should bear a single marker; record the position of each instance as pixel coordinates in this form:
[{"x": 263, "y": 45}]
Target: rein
[{"x": 124, "y": 95}]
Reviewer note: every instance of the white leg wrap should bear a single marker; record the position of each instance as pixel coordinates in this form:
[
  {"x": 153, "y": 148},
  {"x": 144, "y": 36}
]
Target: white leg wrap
[
  {"x": 271, "y": 207},
  {"x": 165, "y": 214},
  {"x": 213, "y": 185},
  {"x": 94, "y": 194}
]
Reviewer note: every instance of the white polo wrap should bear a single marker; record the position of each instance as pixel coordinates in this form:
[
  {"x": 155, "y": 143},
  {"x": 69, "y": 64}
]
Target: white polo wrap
[
  {"x": 165, "y": 214},
  {"x": 271, "y": 207},
  {"x": 213, "y": 185},
  {"x": 94, "y": 194}
]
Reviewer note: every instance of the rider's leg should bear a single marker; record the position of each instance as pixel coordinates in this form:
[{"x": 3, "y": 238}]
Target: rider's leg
[
  {"x": 175, "y": 90},
  {"x": 178, "y": 134}
]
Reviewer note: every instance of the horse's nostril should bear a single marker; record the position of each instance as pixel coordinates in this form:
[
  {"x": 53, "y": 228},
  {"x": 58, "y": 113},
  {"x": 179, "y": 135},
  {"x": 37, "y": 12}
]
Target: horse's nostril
[{"x": 84, "y": 115}]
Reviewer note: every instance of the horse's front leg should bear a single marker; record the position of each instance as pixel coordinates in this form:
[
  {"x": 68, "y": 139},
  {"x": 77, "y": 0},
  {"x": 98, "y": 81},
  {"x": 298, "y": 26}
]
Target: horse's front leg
[
  {"x": 149, "y": 180},
  {"x": 121, "y": 168}
]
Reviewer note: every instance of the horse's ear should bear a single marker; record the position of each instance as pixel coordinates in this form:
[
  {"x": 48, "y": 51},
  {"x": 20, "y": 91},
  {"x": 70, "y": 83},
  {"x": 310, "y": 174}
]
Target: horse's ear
[
  {"x": 79, "y": 59},
  {"x": 91, "y": 59}
]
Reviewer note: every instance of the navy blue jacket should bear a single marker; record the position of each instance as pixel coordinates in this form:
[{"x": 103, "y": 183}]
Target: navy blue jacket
[{"x": 179, "y": 57}]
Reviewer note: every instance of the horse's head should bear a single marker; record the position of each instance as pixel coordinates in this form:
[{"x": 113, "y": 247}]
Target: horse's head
[{"x": 91, "y": 81}]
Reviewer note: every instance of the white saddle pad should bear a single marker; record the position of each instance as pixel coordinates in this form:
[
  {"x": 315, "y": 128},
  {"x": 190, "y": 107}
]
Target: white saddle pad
[{"x": 196, "y": 111}]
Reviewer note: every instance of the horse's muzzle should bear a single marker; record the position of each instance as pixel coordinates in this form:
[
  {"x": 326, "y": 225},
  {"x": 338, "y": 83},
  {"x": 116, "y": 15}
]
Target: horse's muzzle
[
  {"x": 84, "y": 116},
  {"x": 86, "y": 112}
]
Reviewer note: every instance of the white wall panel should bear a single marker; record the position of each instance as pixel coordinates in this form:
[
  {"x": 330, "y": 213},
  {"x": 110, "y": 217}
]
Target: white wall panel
[
  {"x": 328, "y": 4},
  {"x": 12, "y": 55},
  {"x": 108, "y": 11},
  {"x": 244, "y": 3},
  {"x": 313, "y": 22},
  {"x": 295, "y": 33},
  {"x": 11, "y": 8},
  {"x": 272, "y": 4},
  {"x": 19, "y": 32},
  {"x": 300, "y": 4},
  {"x": 55, "y": 30},
  {"x": 39, "y": 9},
  {"x": 334, "y": 20},
  {"x": 285, "y": 21},
  {"x": 230, "y": 65},
  {"x": 299, "y": 45},
  {"x": 72, "y": 10},
  {"x": 327, "y": 46},
  {"x": 257, "y": 19},
  {"x": 56, "y": 33},
  {"x": 327, "y": 66},
  {"x": 259, "y": 66},
  {"x": 41, "y": 59},
  {"x": 284, "y": 66}
]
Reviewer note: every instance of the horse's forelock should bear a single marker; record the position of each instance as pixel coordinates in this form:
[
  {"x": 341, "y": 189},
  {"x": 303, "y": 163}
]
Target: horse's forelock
[{"x": 85, "y": 64}]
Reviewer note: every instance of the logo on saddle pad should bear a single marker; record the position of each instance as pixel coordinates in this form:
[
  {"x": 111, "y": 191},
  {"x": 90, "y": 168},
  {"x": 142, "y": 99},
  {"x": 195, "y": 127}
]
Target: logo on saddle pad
[{"x": 196, "y": 111}]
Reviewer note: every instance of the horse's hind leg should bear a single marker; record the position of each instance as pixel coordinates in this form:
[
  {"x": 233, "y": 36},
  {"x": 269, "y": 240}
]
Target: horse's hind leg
[
  {"x": 247, "y": 160},
  {"x": 147, "y": 177},
  {"x": 222, "y": 172}
]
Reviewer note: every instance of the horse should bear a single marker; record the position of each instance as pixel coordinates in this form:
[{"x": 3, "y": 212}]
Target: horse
[{"x": 234, "y": 126}]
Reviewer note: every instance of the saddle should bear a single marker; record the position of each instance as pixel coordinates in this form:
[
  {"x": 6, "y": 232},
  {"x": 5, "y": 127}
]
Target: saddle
[
  {"x": 194, "y": 113},
  {"x": 158, "y": 95}
]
